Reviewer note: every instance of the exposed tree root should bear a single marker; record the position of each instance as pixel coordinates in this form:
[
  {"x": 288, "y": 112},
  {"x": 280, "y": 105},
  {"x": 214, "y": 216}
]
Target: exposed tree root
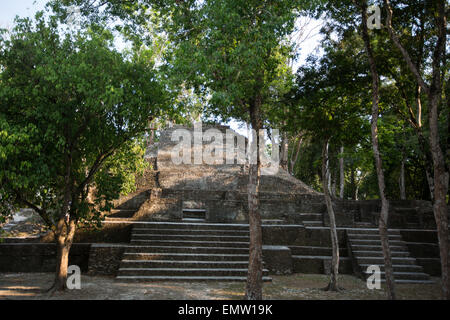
[{"x": 333, "y": 288}]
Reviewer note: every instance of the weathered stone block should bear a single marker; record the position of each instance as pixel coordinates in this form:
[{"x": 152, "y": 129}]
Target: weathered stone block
[
  {"x": 225, "y": 211},
  {"x": 104, "y": 259},
  {"x": 277, "y": 259},
  {"x": 160, "y": 209},
  {"x": 345, "y": 265}
]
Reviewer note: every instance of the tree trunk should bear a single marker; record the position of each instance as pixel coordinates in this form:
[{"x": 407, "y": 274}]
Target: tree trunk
[
  {"x": 333, "y": 184},
  {"x": 284, "y": 146},
  {"x": 353, "y": 182},
  {"x": 402, "y": 179},
  {"x": 294, "y": 156},
  {"x": 329, "y": 181},
  {"x": 341, "y": 174},
  {"x": 255, "y": 265},
  {"x": 440, "y": 191},
  {"x": 64, "y": 239},
  {"x": 334, "y": 270},
  {"x": 384, "y": 214}
]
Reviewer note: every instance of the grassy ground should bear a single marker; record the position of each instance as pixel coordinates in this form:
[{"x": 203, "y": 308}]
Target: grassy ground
[{"x": 291, "y": 287}]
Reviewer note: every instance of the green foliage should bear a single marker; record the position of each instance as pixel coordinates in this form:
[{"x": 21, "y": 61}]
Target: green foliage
[
  {"x": 333, "y": 98},
  {"x": 216, "y": 58},
  {"x": 229, "y": 51},
  {"x": 70, "y": 110}
]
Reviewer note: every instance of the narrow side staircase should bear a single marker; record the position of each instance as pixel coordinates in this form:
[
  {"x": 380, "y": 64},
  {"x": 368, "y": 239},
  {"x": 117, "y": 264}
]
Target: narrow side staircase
[
  {"x": 187, "y": 251},
  {"x": 365, "y": 245}
]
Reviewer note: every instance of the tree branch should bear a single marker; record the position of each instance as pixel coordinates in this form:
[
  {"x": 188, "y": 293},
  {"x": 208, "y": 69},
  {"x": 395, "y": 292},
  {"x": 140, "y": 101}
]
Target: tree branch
[
  {"x": 42, "y": 213},
  {"x": 412, "y": 66}
]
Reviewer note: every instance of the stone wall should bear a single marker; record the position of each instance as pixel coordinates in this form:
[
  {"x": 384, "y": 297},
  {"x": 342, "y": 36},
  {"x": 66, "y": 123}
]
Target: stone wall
[
  {"x": 110, "y": 232},
  {"x": 320, "y": 265},
  {"x": 39, "y": 257},
  {"x": 298, "y": 235},
  {"x": 403, "y": 214},
  {"x": 104, "y": 259},
  {"x": 278, "y": 259}
]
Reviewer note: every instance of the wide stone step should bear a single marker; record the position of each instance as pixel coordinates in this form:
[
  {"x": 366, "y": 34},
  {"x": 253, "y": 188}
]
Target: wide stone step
[
  {"x": 183, "y": 264},
  {"x": 117, "y": 219},
  {"x": 174, "y": 272},
  {"x": 373, "y": 231},
  {"x": 194, "y": 214},
  {"x": 318, "y": 251},
  {"x": 313, "y": 223},
  {"x": 363, "y": 225},
  {"x": 404, "y": 275},
  {"x": 185, "y": 256},
  {"x": 396, "y": 267},
  {"x": 187, "y": 219},
  {"x": 272, "y": 221},
  {"x": 380, "y": 260},
  {"x": 184, "y": 278},
  {"x": 185, "y": 249},
  {"x": 372, "y": 236},
  {"x": 376, "y": 242},
  {"x": 358, "y": 253},
  {"x": 121, "y": 213},
  {"x": 192, "y": 243},
  {"x": 357, "y": 247},
  {"x": 410, "y": 281},
  {"x": 189, "y": 232},
  {"x": 192, "y": 225},
  {"x": 195, "y": 237}
]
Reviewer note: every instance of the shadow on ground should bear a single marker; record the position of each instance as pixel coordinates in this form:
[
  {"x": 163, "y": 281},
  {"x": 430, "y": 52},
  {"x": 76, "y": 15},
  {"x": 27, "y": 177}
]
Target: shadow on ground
[{"x": 293, "y": 287}]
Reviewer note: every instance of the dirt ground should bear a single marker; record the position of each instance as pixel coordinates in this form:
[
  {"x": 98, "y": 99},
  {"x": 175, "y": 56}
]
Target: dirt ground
[{"x": 292, "y": 287}]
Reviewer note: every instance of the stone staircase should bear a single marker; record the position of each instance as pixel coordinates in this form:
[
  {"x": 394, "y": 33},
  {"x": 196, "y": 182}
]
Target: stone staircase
[
  {"x": 186, "y": 251},
  {"x": 365, "y": 246},
  {"x": 194, "y": 215},
  {"x": 311, "y": 219}
]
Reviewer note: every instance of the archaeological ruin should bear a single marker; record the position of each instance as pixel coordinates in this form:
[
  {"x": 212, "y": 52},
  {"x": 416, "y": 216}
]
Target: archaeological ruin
[{"x": 189, "y": 222}]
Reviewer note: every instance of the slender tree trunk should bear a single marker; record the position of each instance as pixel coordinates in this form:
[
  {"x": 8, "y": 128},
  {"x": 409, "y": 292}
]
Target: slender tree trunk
[
  {"x": 329, "y": 181},
  {"x": 334, "y": 270},
  {"x": 417, "y": 125},
  {"x": 447, "y": 146},
  {"x": 333, "y": 184},
  {"x": 402, "y": 179},
  {"x": 384, "y": 214},
  {"x": 284, "y": 151},
  {"x": 353, "y": 182},
  {"x": 294, "y": 156},
  {"x": 255, "y": 266},
  {"x": 419, "y": 106},
  {"x": 441, "y": 179},
  {"x": 341, "y": 174}
]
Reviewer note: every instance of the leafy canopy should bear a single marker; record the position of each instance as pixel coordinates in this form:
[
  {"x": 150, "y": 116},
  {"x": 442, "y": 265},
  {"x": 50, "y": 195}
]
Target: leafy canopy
[{"x": 70, "y": 108}]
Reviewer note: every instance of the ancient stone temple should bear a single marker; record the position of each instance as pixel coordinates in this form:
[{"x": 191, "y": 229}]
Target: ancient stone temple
[
  {"x": 191, "y": 221},
  {"x": 188, "y": 221},
  {"x": 216, "y": 192}
]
